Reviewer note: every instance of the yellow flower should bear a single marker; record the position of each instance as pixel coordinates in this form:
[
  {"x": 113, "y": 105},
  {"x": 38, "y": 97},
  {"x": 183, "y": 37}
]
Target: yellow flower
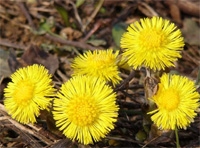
[
  {"x": 85, "y": 109},
  {"x": 99, "y": 63},
  {"x": 154, "y": 43},
  {"x": 29, "y": 91},
  {"x": 177, "y": 100}
]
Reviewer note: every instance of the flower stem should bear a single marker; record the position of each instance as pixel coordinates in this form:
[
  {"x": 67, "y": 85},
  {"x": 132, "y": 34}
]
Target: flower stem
[{"x": 177, "y": 138}]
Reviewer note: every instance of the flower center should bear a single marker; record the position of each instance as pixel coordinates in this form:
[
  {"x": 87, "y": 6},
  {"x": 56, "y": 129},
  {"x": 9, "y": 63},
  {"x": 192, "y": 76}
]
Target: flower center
[
  {"x": 82, "y": 111},
  {"x": 169, "y": 99},
  {"x": 151, "y": 39},
  {"x": 24, "y": 92}
]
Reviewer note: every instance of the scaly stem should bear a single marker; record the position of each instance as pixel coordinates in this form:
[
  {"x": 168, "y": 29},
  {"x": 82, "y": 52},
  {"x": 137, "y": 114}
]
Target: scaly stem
[{"x": 177, "y": 138}]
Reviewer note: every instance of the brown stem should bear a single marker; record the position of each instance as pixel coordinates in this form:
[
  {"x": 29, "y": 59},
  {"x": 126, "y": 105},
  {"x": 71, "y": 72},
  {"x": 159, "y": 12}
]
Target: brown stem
[{"x": 71, "y": 43}]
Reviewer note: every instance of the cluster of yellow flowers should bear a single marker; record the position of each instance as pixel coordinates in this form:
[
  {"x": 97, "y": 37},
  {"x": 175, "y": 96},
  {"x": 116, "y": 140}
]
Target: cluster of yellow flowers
[
  {"x": 155, "y": 44},
  {"x": 85, "y": 107}
]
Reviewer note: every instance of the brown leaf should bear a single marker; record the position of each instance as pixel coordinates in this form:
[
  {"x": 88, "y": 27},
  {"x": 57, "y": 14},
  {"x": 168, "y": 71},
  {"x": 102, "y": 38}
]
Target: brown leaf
[
  {"x": 174, "y": 11},
  {"x": 189, "y": 7},
  {"x": 4, "y": 67},
  {"x": 12, "y": 61},
  {"x": 157, "y": 136},
  {"x": 190, "y": 31},
  {"x": 34, "y": 55},
  {"x": 150, "y": 85}
]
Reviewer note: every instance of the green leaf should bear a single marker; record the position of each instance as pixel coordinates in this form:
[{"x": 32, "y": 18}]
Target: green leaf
[
  {"x": 117, "y": 31},
  {"x": 79, "y": 3},
  {"x": 45, "y": 26},
  {"x": 64, "y": 14},
  {"x": 141, "y": 135},
  {"x": 97, "y": 42}
]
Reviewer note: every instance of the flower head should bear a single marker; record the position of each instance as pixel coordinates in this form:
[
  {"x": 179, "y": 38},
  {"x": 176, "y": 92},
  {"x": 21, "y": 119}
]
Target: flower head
[
  {"x": 177, "y": 100},
  {"x": 85, "y": 109},
  {"x": 154, "y": 43},
  {"x": 99, "y": 63},
  {"x": 29, "y": 91}
]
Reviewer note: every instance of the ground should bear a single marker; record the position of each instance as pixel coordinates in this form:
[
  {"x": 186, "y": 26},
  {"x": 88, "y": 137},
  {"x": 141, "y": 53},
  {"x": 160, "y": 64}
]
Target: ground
[{"x": 53, "y": 32}]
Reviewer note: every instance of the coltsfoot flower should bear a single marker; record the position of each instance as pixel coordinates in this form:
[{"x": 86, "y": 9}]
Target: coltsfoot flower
[
  {"x": 176, "y": 100},
  {"x": 154, "y": 43},
  {"x": 30, "y": 91},
  {"x": 85, "y": 109},
  {"x": 99, "y": 63}
]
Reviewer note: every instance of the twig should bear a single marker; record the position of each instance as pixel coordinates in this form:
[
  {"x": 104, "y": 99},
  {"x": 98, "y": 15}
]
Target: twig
[
  {"x": 71, "y": 43},
  {"x": 34, "y": 127},
  {"x": 76, "y": 14},
  {"x": 7, "y": 43},
  {"x": 149, "y": 142},
  {"x": 153, "y": 13},
  {"x": 130, "y": 96},
  {"x": 23, "y": 128},
  {"x": 93, "y": 15},
  {"x": 74, "y": 8},
  {"x": 95, "y": 28},
  {"x": 189, "y": 7},
  {"x": 30, "y": 140},
  {"x": 14, "y": 22},
  {"x": 42, "y": 9},
  {"x": 1, "y": 79},
  {"x": 123, "y": 139},
  {"x": 132, "y": 74},
  {"x": 22, "y": 6},
  {"x": 63, "y": 76},
  {"x": 3, "y": 118}
]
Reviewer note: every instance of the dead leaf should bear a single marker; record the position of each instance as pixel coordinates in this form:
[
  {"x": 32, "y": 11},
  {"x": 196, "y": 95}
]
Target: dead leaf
[
  {"x": 157, "y": 136},
  {"x": 150, "y": 85},
  {"x": 70, "y": 33},
  {"x": 4, "y": 67},
  {"x": 12, "y": 61},
  {"x": 174, "y": 11},
  {"x": 34, "y": 55},
  {"x": 190, "y": 32},
  {"x": 190, "y": 7}
]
